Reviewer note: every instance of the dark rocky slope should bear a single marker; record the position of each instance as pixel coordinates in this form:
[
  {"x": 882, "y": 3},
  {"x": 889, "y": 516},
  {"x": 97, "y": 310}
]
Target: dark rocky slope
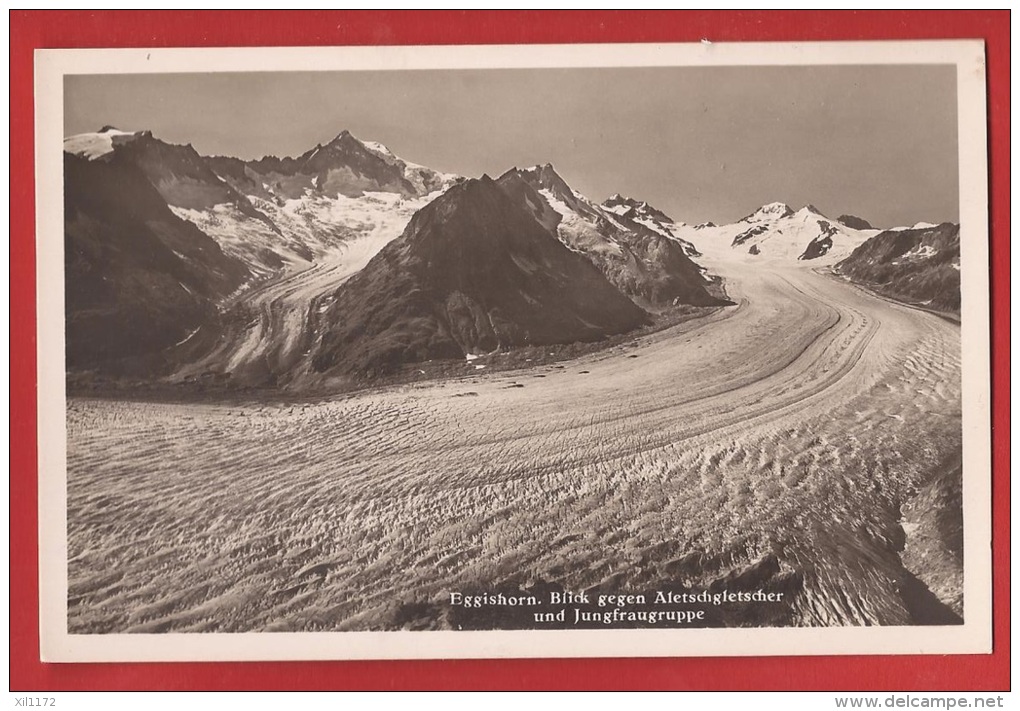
[
  {"x": 137, "y": 277},
  {"x": 183, "y": 177},
  {"x": 645, "y": 264},
  {"x": 471, "y": 273},
  {"x": 919, "y": 266}
]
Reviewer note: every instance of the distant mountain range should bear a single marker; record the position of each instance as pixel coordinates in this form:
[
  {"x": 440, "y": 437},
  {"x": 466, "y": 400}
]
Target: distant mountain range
[
  {"x": 255, "y": 282},
  {"x": 350, "y": 260},
  {"x": 919, "y": 265},
  {"x": 775, "y": 230}
]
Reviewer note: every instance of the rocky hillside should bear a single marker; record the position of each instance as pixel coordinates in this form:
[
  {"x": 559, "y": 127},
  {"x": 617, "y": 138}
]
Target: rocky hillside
[
  {"x": 632, "y": 244},
  {"x": 918, "y": 265},
  {"x": 473, "y": 272},
  {"x": 138, "y": 279}
]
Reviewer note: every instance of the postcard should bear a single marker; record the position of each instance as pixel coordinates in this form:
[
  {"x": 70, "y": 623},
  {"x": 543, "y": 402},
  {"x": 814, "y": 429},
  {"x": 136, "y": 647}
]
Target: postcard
[{"x": 513, "y": 351}]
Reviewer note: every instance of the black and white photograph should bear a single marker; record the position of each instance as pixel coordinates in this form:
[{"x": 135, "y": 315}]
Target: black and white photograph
[{"x": 514, "y": 352}]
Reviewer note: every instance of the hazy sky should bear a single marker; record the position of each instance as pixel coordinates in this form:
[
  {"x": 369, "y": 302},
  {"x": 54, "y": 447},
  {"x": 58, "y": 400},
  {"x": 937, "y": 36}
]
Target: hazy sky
[{"x": 702, "y": 144}]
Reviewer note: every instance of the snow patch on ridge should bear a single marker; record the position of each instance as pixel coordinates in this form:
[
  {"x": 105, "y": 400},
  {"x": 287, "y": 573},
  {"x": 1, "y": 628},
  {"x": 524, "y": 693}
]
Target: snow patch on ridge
[
  {"x": 413, "y": 172},
  {"x": 94, "y": 146},
  {"x": 574, "y": 230}
]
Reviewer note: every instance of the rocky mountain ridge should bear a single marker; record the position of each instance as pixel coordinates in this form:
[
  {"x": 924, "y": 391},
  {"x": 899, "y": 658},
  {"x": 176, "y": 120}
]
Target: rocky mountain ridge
[{"x": 293, "y": 231}]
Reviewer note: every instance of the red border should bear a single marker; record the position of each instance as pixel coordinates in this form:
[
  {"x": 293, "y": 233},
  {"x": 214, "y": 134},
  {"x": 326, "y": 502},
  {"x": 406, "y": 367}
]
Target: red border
[{"x": 32, "y": 29}]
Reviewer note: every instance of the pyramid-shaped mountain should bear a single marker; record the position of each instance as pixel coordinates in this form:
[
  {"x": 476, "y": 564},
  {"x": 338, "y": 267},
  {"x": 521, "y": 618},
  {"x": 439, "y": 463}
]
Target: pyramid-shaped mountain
[
  {"x": 472, "y": 272},
  {"x": 346, "y": 166}
]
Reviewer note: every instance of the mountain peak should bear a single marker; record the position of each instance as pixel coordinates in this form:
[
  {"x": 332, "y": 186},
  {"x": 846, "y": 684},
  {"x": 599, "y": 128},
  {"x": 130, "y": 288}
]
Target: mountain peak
[
  {"x": 346, "y": 139},
  {"x": 769, "y": 211},
  {"x": 545, "y": 177},
  {"x": 542, "y": 169},
  {"x": 810, "y": 210},
  {"x": 472, "y": 272},
  {"x": 351, "y": 166},
  {"x": 618, "y": 199},
  {"x": 775, "y": 207},
  {"x": 100, "y": 145},
  {"x": 641, "y": 211}
]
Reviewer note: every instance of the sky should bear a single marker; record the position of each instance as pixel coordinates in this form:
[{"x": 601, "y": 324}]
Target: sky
[{"x": 700, "y": 143}]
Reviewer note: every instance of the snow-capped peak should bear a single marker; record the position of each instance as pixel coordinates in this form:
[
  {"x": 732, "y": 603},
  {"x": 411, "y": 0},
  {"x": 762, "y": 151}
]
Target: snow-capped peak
[
  {"x": 545, "y": 172},
  {"x": 545, "y": 177},
  {"x": 620, "y": 205},
  {"x": 769, "y": 211},
  {"x": 618, "y": 199},
  {"x": 94, "y": 146},
  {"x": 346, "y": 139},
  {"x": 375, "y": 147},
  {"x": 810, "y": 209},
  {"x": 777, "y": 232},
  {"x": 808, "y": 212},
  {"x": 638, "y": 210},
  {"x": 425, "y": 180}
]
